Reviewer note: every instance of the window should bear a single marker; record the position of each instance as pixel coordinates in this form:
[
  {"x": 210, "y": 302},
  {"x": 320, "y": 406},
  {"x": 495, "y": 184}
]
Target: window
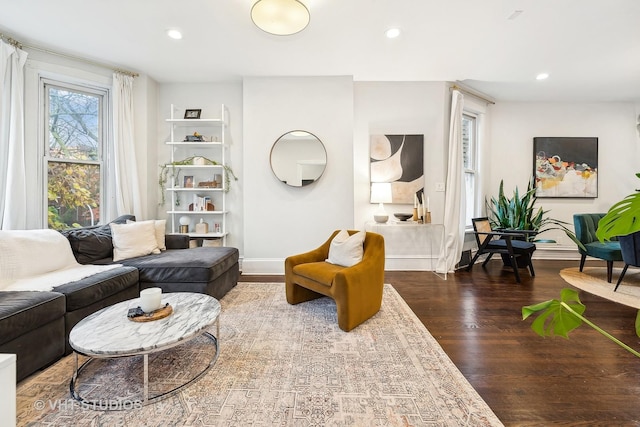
[
  {"x": 470, "y": 163},
  {"x": 74, "y": 138}
]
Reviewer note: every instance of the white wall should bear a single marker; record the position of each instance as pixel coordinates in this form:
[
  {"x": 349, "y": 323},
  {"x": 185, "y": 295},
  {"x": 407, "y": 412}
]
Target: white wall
[
  {"x": 510, "y": 152},
  {"x": 400, "y": 108},
  {"x": 281, "y": 220},
  {"x": 209, "y": 97}
]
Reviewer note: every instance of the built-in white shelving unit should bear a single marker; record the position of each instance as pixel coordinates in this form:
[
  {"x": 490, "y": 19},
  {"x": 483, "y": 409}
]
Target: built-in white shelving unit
[{"x": 184, "y": 193}]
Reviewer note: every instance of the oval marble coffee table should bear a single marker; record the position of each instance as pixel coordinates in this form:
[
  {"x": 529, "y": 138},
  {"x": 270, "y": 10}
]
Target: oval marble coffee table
[{"x": 108, "y": 333}]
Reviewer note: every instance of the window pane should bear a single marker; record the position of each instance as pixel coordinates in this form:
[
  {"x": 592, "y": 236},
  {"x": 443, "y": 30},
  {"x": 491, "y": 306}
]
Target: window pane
[
  {"x": 470, "y": 188},
  {"x": 74, "y": 124},
  {"x": 467, "y": 141},
  {"x": 73, "y": 194}
]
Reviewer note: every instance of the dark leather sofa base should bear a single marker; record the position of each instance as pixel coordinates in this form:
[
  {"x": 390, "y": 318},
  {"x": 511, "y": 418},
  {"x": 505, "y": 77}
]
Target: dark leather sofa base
[
  {"x": 196, "y": 265},
  {"x": 32, "y": 327},
  {"x": 96, "y": 292},
  {"x": 217, "y": 288}
]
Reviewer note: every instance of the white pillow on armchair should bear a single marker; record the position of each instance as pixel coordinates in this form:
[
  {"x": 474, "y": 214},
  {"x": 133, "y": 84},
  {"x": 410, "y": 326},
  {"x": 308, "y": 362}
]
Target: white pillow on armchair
[{"x": 346, "y": 250}]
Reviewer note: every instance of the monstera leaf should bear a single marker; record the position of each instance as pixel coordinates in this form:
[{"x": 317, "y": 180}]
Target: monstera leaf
[
  {"x": 623, "y": 218},
  {"x": 559, "y": 317},
  {"x": 555, "y": 319}
]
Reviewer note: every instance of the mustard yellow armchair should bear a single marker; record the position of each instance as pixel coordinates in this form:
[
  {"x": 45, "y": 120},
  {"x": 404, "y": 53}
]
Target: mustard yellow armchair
[{"x": 357, "y": 290}]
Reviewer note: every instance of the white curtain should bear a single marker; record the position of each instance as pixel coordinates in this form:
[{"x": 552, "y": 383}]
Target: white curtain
[
  {"x": 127, "y": 183},
  {"x": 454, "y": 201},
  {"x": 13, "y": 187}
]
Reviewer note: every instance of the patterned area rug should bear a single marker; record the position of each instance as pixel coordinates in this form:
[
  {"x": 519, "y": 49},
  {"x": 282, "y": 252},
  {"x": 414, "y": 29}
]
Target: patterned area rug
[
  {"x": 594, "y": 281},
  {"x": 279, "y": 365}
]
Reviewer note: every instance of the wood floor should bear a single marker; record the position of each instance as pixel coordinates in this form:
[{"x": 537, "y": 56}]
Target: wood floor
[{"x": 527, "y": 380}]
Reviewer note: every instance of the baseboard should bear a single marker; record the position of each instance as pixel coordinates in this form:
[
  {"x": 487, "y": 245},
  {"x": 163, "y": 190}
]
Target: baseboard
[
  {"x": 275, "y": 266},
  {"x": 263, "y": 266}
]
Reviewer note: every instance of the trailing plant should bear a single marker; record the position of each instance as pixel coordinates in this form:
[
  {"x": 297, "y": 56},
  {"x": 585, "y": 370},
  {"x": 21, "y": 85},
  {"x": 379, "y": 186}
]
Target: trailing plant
[
  {"x": 519, "y": 213},
  {"x": 623, "y": 218},
  {"x": 168, "y": 169},
  {"x": 559, "y": 317}
]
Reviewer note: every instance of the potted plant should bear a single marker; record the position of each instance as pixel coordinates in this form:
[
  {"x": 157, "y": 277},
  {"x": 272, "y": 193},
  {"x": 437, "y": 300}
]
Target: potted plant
[{"x": 519, "y": 213}]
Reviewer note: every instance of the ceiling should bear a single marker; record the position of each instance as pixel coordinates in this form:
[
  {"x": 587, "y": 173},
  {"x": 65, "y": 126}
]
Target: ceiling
[{"x": 590, "y": 48}]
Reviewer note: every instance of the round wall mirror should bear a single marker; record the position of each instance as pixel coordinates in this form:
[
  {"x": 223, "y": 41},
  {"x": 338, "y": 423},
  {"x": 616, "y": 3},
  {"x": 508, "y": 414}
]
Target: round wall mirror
[{"x": 298, "y": 158}]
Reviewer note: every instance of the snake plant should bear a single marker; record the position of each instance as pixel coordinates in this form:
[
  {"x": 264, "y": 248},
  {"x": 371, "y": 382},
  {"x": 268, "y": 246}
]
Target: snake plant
[{"x": 519, "y": 213}]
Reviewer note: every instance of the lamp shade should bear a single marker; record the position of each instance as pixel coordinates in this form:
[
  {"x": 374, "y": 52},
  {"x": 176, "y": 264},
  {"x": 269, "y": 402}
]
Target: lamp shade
[
  {"x": 381, "y": 192},
  {"x": 280, "y": 17}
]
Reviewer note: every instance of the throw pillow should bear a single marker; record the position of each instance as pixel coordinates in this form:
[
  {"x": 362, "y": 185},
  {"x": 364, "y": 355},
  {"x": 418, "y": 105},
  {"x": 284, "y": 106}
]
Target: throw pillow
[
  {"x": 346, "y": 250},
  {"x": 133, "y": 240},
  {"x": 160, "y": 225}
]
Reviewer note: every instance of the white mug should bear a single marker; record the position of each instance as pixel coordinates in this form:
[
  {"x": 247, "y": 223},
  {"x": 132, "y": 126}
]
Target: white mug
[{"x": 150, "y": 299}]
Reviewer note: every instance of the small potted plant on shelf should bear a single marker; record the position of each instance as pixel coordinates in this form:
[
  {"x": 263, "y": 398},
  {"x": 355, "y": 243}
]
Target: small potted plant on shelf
[
  {"x": 173, "y": 168},
  {"x": 519, "y": 213}
]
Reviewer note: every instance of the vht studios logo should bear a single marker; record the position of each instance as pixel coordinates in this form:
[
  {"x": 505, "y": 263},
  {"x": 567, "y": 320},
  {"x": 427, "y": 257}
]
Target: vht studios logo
[{"x": 65, "y": 405}]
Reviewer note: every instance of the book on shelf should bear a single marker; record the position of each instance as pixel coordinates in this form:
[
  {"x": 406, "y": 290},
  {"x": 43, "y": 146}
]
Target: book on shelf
[{"x": 201, "y": 204}]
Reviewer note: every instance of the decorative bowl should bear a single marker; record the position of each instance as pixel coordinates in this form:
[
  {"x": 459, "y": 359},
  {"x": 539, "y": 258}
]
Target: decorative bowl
[{"x": 403, "y": 216}]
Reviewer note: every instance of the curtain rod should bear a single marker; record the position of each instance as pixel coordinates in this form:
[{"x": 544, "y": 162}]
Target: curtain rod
[
  {"x": 468, "y": 92},
  {"x": 15, "y": 43}
]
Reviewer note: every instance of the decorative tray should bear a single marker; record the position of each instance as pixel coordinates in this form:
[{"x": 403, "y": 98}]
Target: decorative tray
[{"x": 158, "y": 314}]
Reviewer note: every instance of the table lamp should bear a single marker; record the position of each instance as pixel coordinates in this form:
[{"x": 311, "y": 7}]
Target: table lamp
[
  {"x": 184, "y": 224},
  {"x": 380, "y": 193}
]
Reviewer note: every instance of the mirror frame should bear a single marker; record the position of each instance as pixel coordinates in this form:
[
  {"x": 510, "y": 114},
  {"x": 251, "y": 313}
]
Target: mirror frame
[{"x": 281, "y": 140}]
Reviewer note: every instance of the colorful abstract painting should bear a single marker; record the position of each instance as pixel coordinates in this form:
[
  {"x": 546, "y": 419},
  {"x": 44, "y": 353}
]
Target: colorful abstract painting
[
  {"x": 566, "y": 166},
  {"x": 398, "y": 159}
]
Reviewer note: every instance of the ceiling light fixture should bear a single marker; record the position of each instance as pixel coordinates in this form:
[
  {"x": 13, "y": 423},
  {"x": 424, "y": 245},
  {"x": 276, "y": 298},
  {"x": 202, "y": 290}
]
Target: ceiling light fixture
[
  {"x": 392, "y": 33},
  {"x": 174, "y": 34},
  {"x": 542, "y": 76},
  {"x": 280, "y": 17}
]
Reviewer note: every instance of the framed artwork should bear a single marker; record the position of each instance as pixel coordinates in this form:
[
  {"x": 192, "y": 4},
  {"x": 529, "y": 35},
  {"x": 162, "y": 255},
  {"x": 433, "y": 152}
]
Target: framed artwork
[
  {"x": 192, "y": 114},
  {"x": 566, "y": 166},
  {"x": 398, "y": 159},
  {"x": 188, "y": 181}
]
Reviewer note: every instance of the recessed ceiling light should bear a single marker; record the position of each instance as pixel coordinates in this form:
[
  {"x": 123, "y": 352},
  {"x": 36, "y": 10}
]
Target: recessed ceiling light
[
  {"x": 174, "y": 34},
  {"x": 542, "y": 76},
  {"x": 392, "y": 33}
]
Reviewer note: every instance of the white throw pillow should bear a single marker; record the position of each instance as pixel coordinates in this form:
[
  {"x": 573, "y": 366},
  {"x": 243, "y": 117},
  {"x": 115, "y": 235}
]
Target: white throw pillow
[
  {"x": 134, "y": 239},
  {"x": 160, "y": 226},
  {"x": 347, "y": 250}
]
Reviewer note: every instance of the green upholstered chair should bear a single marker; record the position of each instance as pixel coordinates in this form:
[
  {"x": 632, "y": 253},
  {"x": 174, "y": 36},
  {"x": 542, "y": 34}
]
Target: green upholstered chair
[
  {"x": 357, "y": 290},
  {"x": 586, "y": 225}
]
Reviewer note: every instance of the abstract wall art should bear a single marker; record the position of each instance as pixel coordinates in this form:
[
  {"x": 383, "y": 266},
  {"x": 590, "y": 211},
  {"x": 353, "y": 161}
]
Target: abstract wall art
[
  {"x": 398, "y": 159},
  {"x": 566, "y": 166}
]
